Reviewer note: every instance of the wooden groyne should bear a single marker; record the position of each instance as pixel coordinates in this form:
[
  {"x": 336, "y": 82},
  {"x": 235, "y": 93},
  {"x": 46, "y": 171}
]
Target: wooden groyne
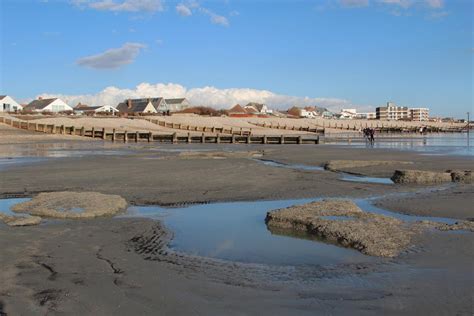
[
  {"x": 222, "y": 130},
  {"x": 291, "y": 128},
  {"x": 384, "y": 128},
  {"x": 174, "y": 138}
]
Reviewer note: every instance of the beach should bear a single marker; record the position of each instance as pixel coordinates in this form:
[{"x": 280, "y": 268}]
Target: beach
[{"x": 133, "y": 264}]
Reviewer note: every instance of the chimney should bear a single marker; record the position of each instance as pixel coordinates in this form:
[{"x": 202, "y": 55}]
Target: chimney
[
  {"x": 40, "y": 98},
  {"x": 129, "y": 103}
]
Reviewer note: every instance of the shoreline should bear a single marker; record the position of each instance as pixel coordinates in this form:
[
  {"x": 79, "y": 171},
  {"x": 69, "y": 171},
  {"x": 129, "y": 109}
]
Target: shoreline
[{"x": 85, "y": 267}]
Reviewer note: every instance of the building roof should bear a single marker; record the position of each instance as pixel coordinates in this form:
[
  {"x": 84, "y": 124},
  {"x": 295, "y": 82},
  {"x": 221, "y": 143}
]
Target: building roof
[
  {"x": 237, "y": 109},
  {"x": 175, "y": 101},
  {"x": 258, "y": 106},
  {"x": 2, "y": 96},
  {"x": 138, "y": 105},
  {"x": 39, "y": 104}
]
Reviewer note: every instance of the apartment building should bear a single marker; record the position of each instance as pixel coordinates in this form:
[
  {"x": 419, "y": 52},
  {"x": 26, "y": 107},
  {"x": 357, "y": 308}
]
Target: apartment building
[
  {"x": 392, "y": 112},
  {"x": 419, "y": 114}
]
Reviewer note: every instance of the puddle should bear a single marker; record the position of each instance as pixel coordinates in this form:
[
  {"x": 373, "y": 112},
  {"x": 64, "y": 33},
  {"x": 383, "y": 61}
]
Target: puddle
[
  {"x": 236, "y": 231},
  {"x": 344, "y": 176},
  {"x": 6, "y": 204},
  {"x": 354, "y": 178},
  {"x": 273, "y": 163}
]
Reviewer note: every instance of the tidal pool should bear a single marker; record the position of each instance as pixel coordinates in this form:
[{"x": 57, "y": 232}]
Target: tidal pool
[
  {"x": 344, "y": 176},
  {"x": 236, "y": 231}
]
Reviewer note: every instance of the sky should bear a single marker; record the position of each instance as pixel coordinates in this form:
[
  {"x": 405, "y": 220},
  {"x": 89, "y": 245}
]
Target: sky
[{"x": 330, "y": 53}]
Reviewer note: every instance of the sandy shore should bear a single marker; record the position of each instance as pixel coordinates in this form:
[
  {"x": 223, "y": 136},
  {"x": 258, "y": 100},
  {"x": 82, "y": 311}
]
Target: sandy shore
[{"x": 122, "y": 266}]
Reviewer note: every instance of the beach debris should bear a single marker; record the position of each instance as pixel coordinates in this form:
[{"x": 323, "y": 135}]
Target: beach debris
[
  {"x": 20, "y": 220},
  {"x": 459, "y": 225},
  {"x": 430, "y": 177},
  {"x": 343, "y": 222},
  {"x": 72, "y": 205}
]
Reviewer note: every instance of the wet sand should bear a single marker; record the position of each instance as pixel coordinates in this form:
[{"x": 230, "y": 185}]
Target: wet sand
[{"x": 122, "y": 266}]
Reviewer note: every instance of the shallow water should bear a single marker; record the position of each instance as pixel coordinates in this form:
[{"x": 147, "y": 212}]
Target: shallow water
[
  {"x": 457, "y": 144},
  {"x": 344, "y": 176},
  {"x": 6, "y": 204},
  {"x": 237, "y": 231}
]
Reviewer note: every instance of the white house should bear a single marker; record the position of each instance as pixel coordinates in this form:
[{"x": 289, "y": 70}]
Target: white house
[
  {"x": 257, "y": 108},
  {"x": 95, "y": 109},
  {"x": 48, "y": 105},
  {"x": 348, "y": 113},
  {"x": 7, "y": 104},
  {"x": 177, "y": 104}
]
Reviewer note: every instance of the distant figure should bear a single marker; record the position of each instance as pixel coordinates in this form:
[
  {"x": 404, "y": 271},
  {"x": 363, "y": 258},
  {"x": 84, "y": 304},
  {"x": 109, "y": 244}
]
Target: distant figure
[{"x": 369, "y": 135}]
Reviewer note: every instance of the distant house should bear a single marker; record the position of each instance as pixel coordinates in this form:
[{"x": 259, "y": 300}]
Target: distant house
[
  {"x": 236, "y": 109},
  {"x": 348, "y": 113},
  {"x": 257, "y": 108},
  {"x": 48, "y": 105},
  {"x": 85, "y": 109},
  {"x": 138, "y": 106},
  {"x": 178, "y": 104},
  {"x": 7, "y": 104}
]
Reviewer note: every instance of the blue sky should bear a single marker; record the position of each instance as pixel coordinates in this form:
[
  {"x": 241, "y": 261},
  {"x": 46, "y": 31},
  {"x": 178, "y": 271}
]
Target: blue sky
[{"x": 335, "y": 53}]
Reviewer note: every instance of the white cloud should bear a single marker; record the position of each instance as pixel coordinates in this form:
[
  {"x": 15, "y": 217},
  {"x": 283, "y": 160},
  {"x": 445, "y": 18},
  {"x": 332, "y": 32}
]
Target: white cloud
[
  {"x": 183, "y": 10},
  {"x": 122, "y": 5},
  {"x": 215, "y": 18},
  {"x": 435, "y": 4},
  {"x": 206, "y": 96},
  {"x": 112, "y": 58},
  {"x": 354, "y": 3},
  {"x": 401, "y": 3}
]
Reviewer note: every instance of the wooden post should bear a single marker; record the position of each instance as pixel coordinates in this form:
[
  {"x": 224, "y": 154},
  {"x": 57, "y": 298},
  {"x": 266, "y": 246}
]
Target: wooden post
[
  {"x": 83, "y": 131},
  {"x": 103, "y": 133},
  {"x": 282, "y": 139},
  {"x": 300, "y": 140},
  {"x": 203, "y": 138},
  {"x": 73, "y": 130},
  {"x": 62, "y": 130},
  {"x": 150, "y": 137},
  {"x": 248, "y": 139},
  {"x": 93, "y": 132},
  {"x": 233, "y": 139},
  {"x": 175, "y": 138},
  {"x": 125, "y": 137},
  {"x": 53, "y": 131},
  {"x": 137, "y": 135},
  {"x": 189, "y": 138},
  {"x": 113, "y": 135},
  {"x": 36, "y": 127},
  {"x": 265, "y": 139}
]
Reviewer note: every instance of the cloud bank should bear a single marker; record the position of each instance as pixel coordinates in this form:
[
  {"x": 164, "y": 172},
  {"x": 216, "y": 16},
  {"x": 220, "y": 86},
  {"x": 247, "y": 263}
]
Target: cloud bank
[
  {"x": 112, "y": 58},
  {"x": 205, "y": 96}
]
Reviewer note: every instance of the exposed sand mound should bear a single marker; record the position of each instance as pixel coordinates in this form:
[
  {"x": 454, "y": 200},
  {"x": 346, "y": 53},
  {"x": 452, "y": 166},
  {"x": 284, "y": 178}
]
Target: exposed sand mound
[
  {"x": 420, "y": 177},
  {"x": 20, "y": 220},
  {"x": 338, "y": 165},
  {"x": 344, "y": 222},
  {"x": 464, "y": 176},
  {"x": 72, "y": 205},
  {"x": 460, "y": 225}
]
